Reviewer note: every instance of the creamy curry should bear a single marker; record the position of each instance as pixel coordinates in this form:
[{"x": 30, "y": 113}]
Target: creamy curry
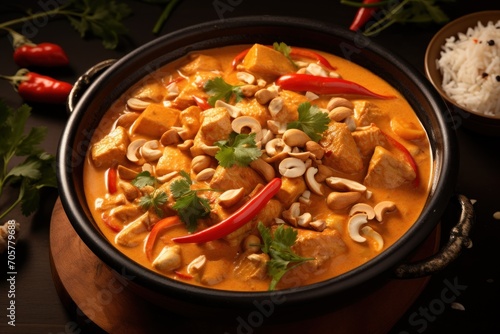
[{"x": 254, "y": 167}]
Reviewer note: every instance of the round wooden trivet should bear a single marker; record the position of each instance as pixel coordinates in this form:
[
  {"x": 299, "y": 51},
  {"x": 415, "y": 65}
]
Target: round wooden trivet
[{"x": 99, "y": 301}]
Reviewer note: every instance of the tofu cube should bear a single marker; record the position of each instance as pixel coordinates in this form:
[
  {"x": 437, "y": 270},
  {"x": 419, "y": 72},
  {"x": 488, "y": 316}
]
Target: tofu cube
[
  {"x": 111, "y": 149},
  {"x": 173, "y": 159},
  {"x": 155, "y": 120},
  {"x": 266, "y": 61}
]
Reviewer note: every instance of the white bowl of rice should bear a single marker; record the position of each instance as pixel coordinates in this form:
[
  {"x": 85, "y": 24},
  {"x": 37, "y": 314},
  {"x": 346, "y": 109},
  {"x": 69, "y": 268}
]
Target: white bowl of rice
[{"x": 462, "y": 61}]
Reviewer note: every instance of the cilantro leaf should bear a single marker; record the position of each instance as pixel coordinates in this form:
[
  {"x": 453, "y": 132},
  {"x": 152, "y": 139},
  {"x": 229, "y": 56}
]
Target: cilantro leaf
[
  {"x": 241, "y": 149},
  {"x": 37, "y": 171},
  {"x": 154, "y": 199},
  {"x": 285, "y": 50},
  {"x": 188, "y": 204},
  {"x": 218, "y": 89},
  {"x": 278, "y": 247},
  {"x": 144, "y": 179},
  {"x": 311, "y": 120}
]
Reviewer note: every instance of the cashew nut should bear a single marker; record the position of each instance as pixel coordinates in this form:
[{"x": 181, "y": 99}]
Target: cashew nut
[
  {"x": 195, "y": 266},
  {"x": 233, "y": 111},
  {"x": 354, "y": 225},
  {"x": 304, "y": 219},
  {"x": 151, "y": 151},
  {"x": 247, "y": 122},
  {"x": 295, "y": 138},
  {"x": 132, "y": 149},
  {"x": 292, "y": 214},
  {"x": 263, "y": 168},
  {"x": 275, "y": 146},
  {"x": 339, "y": 102},
  {"x": 126, "y": 173},
  {"x": 378, "y": 241},
  {"x": 362, "y": 208},
  {"x": 292, "y": 167},
  {"x": 200, "y": 162},
  {"x": 205, "y": 174},
  {"x": 170, "y": 137},
  {"x": 311, "y": 182},
  {"x": 245, "y": 77},
  {"x": 276, "y": 127},
  {"x": 169, "y": 258},
  {"x": 315, "y": 149},
  {"x": 230, "y": 197},
  {"x": 137, "y": 104},
  {"x": 342, "y": 184},
  {"x": 263, "y": 96},
  {"x": 275, "y": 106},
  {"x": 342, "y": 200},
  {"x": 127, "y": 119},
  {"x": 318, "y": 225},
  {"x": 252, "y": 243},
  {"x": 383, "y": 207}
]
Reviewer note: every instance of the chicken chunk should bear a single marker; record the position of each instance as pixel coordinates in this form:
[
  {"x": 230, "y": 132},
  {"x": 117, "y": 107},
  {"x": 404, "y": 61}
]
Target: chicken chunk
[
  {"x": 322, "y": 246},
  {"x": 200, "y": 62},
  {"x": 387, "y": 170},
  {"x": 215, "y": 125},
  {"x": 289, "y": 112},
  {"x": 291, "y": 189},
  {"x": 368, "y": 138},
  {"x": 367, "y": 113},
  {"x": 267, "y": 62},
  {"x": 193, "y": 87},
  {"x": 111, "y": 149},
  {"x": 236, "y": 177},
  {"x": 341, "y": 151}
]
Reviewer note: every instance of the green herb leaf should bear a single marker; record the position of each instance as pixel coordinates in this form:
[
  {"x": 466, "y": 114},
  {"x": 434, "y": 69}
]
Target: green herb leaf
[
  {"x": 152, "y": 200},
  {"x": 188, "y": 204},
  {"x": 218, "y": 89},
  {"x": 311, "y": 120},
  {"x": 278, "y": 247},
  {"x": 283, "y": 48},
  {"x": 240, "y": 149},
  {"x": 37, "y": 171}
]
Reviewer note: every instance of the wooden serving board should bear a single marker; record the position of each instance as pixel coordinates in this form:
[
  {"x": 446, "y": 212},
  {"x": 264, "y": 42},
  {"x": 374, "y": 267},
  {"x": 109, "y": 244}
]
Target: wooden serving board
[{"x": 99, "y": 301}]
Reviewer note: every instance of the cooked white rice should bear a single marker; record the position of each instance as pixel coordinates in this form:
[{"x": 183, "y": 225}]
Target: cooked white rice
[{"x": 470, "y": 65}]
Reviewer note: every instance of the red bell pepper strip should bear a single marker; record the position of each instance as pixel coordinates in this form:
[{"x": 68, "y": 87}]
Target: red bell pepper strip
[
  {"x": 39, "y": 88},
  {"x": 324, "y": 85},
  {"x": 183, "y": 275},
  {"x": 111, "y": 180},
  {"x": 363, "y": 15},
  {"x": 160, "y": 226},
  {"x": 27, "y": 53},
  {"x": 111, "y": 223},
  {"x": 293, "y": 52},
  {"x": 407, "y": 155},
  {"x": 238, "y": 219},
  {"x": 201, "y": 102}
]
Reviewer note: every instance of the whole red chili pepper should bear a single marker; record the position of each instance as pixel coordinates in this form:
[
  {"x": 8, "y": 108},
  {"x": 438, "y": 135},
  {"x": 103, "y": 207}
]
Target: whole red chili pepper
[
  {"x": 238, "y": 219},
  {"x": 27, "y": 53},
  {"x": 324, "y": 85},
  {"x": 39, "y": 88},
  {"x": 157, "y": 228},
  {"x": 363, "y": 15},
  {"x": 293, "y": 52}
]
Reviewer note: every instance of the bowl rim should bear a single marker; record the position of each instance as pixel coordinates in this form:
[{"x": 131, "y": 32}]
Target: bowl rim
[
  {"x": 432, "y": 53},
  {"x": 373, "y": 268}
]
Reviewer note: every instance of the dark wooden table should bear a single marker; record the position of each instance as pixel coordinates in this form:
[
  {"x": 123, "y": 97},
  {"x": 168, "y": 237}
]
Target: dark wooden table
[{"x": 473, "y": 280}]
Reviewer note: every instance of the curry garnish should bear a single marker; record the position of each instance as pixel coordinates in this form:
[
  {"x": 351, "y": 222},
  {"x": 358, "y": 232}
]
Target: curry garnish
[
  {"x": 311, "y": 120},
  {"x": 278, "y": 247},
  {"x": 240, "y": 149},
  {"x": 154, "y": 199},
  {"x": 218, "y": 89},
  {"x": 188, "y": 204}
]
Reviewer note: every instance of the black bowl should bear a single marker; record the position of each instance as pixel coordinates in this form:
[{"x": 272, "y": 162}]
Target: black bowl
[{"x": 87, "y": 113}]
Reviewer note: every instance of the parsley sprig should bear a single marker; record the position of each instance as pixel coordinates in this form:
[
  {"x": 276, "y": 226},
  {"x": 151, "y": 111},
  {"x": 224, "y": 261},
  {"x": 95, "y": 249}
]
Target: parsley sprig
[
  {"x": 218, "y": 89},
  {"x": 37, "y": 171},
  {"x": 311, "y": 120},
  {"x": 154, "y": 199},
  {"x": 278, "y": 247},
  {"x": 240, "y": 149},
  {"x": 188, "y": 204}
]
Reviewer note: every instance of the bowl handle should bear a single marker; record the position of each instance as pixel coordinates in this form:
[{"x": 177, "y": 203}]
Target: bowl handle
[
  {"x": 84, "y": 81},
  {"x": 458, "y": 240}
]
